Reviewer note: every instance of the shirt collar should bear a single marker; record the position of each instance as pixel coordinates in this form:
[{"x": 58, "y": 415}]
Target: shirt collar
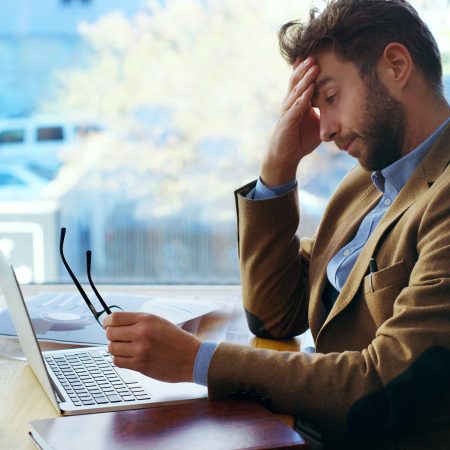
[{"x": 398, "y": 173}]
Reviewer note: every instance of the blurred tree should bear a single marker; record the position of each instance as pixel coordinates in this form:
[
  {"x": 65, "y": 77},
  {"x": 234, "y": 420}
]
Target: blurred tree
[
  {"x": 191, "y": 90},
  {"x": 188, "y": 92}
]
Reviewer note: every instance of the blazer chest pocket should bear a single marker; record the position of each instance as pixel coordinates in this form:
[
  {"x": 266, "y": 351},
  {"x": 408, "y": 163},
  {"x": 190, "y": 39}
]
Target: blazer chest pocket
[{"x": 382, "y": 288}]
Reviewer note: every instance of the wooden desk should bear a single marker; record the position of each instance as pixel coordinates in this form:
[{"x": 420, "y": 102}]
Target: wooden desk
[{"x": 22, "y": 399}]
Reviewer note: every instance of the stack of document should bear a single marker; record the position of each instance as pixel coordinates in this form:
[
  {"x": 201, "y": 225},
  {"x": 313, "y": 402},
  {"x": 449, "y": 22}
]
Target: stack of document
[{"x": 65, "y": 317}]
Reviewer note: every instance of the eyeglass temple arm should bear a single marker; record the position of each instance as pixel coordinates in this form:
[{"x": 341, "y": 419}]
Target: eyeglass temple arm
[
  {"x": 72, "y": 275},
  {"x": 88, "y": 263}
]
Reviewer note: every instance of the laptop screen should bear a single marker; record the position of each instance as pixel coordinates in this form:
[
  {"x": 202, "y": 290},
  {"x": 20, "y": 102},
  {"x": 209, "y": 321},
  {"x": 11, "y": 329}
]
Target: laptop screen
[{"x": 24, "y": 329}]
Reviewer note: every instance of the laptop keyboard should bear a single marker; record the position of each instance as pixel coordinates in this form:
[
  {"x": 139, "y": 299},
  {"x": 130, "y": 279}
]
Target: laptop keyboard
[{"x": 90, "y": 378}]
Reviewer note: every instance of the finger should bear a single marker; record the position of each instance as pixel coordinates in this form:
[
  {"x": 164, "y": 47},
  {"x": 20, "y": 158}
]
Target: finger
[
  {"x": 305, "y": 83},
  {"x": 297, "y": 62},
  {"x": 299, "y": 65},
  {"x": 124, "y": 363},
  {"x": 122, "y": 349},
  {"x": 300, "y": 105},
  {"x": 117, "y": 319},
  {"x": 300, "y": 69},
  {"x": 120, "y": 334}
]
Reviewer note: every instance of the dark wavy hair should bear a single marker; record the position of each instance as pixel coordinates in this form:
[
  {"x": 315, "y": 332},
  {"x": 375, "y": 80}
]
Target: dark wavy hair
[{"x": 359, "y": 30}]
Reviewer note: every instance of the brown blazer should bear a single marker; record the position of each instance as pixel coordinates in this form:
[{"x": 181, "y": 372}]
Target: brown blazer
[{"x": 381, "y": 374}]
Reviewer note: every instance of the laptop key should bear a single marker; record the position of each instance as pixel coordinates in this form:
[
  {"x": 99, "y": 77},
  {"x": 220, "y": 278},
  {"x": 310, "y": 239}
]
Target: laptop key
[
  {"x": 136, "y": 388},
  {"x": 114, "y": 398},
  {"x": 123, "y": 391},
  {"x": 99, "y": 378},
  {"x": 108, "y": 391},
  {"x": 84, "y": 395},
  {"x": 85, "y": 377},
  {"x": 143, "y": 397},
  {"x": 93, "y": 389},
  {"x": 97, "y": 394}
]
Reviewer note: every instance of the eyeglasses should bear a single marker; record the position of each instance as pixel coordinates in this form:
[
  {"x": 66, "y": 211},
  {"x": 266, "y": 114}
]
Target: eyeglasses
[{"x": 97, "y": 314}]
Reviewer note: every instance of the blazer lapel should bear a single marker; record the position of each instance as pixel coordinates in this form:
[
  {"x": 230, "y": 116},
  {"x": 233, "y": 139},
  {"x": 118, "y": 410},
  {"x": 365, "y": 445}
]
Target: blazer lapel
[
  {"x": 423, "y": 177},
  {"x": 343, "y": 231}
]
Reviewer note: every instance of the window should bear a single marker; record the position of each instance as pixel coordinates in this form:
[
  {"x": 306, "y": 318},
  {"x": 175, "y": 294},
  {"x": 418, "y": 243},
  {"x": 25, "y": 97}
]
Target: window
[
  {"x": 145, "y": 117},
  {"x": 47, "y": 134},
  {"x": 12, "y": 136}
]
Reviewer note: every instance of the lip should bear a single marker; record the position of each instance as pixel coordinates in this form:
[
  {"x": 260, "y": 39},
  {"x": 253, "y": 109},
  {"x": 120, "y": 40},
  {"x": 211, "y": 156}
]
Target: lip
[{"x": 349, "y": 143}]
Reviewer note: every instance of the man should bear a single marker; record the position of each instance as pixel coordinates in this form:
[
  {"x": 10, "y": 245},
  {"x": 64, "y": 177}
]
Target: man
[{"x": 373, "y": 284}]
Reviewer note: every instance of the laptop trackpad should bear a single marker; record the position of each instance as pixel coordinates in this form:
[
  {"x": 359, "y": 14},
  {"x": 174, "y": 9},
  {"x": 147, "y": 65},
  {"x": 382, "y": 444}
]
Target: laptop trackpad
[{"x": 160, "y": 390}]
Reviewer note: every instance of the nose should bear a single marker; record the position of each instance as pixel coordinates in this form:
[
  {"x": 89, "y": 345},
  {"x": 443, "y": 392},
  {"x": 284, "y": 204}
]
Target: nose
[{"x": 329, "y": 127}]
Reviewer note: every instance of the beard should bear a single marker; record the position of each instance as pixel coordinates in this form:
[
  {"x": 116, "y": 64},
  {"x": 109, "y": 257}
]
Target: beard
[{"x": 383, "y": 127}]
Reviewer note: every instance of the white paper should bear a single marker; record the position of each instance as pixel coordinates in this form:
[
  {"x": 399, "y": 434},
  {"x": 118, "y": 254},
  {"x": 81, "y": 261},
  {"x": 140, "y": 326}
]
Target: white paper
[{"x": 65, "y": 317}]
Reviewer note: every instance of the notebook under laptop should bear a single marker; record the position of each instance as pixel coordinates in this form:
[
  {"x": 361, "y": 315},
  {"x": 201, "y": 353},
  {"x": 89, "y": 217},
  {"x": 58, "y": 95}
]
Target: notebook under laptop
[{"x": 84, "y": 380}]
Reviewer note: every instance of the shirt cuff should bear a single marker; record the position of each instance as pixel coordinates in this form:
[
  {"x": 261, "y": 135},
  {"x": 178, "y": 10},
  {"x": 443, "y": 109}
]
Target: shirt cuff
[
  {"x": 262, "y": 192},
  {"x": 202, "y": 361}
]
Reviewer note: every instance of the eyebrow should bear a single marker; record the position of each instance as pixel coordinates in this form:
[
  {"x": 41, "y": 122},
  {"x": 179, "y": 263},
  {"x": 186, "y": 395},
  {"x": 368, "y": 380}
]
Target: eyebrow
[{"x": 319, "y": 85}]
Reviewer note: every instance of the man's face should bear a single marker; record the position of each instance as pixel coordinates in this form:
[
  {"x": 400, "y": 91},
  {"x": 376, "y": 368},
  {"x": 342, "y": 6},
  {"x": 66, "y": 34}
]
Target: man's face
[{"x": 359, "y": 115}]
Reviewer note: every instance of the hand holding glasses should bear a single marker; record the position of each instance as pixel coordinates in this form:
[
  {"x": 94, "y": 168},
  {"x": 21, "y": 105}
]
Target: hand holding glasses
[{"x": 97, "y": 314}]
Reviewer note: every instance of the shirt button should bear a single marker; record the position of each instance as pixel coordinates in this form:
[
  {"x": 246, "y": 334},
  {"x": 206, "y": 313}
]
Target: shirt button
[
  {"x": 387, "y": 202},
  {"x": 347, "y": 252}
]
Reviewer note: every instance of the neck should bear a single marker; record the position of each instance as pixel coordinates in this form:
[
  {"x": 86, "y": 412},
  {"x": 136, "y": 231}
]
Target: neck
[{"x": 422, "y": 121}]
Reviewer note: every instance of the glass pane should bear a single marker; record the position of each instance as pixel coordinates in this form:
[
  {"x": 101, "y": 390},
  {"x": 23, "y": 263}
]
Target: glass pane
[
  {"x": 44, "y": 134},
  {"x": 12, "y": 136},
  {"x": 145, "y": 116}
]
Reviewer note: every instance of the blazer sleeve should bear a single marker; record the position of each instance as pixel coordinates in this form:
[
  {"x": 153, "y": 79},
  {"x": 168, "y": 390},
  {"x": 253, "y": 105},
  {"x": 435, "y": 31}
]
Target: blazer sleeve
[
  {"x": 274, "y": 264},
  {"x": 398, "y": 380}
]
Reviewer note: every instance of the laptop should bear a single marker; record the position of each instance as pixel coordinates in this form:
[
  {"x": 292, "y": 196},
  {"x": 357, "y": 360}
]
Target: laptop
[{"x": 84, "y": 380}]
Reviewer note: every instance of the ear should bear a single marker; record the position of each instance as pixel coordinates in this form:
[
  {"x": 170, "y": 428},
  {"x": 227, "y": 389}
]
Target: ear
[{"x": 396, "y": 66}]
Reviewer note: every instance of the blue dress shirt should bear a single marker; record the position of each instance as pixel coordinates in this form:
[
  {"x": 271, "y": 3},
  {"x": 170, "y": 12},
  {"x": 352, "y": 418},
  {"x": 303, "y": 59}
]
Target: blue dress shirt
[{"x": 388, "y": 181}]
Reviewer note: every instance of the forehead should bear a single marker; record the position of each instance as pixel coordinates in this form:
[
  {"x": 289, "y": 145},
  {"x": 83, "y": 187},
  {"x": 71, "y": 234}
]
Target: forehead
[{"x": 332, "y": 68}]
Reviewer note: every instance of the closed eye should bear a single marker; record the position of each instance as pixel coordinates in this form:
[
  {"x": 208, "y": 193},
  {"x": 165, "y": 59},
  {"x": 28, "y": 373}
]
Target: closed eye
[{"x": 330, "y": 100}]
